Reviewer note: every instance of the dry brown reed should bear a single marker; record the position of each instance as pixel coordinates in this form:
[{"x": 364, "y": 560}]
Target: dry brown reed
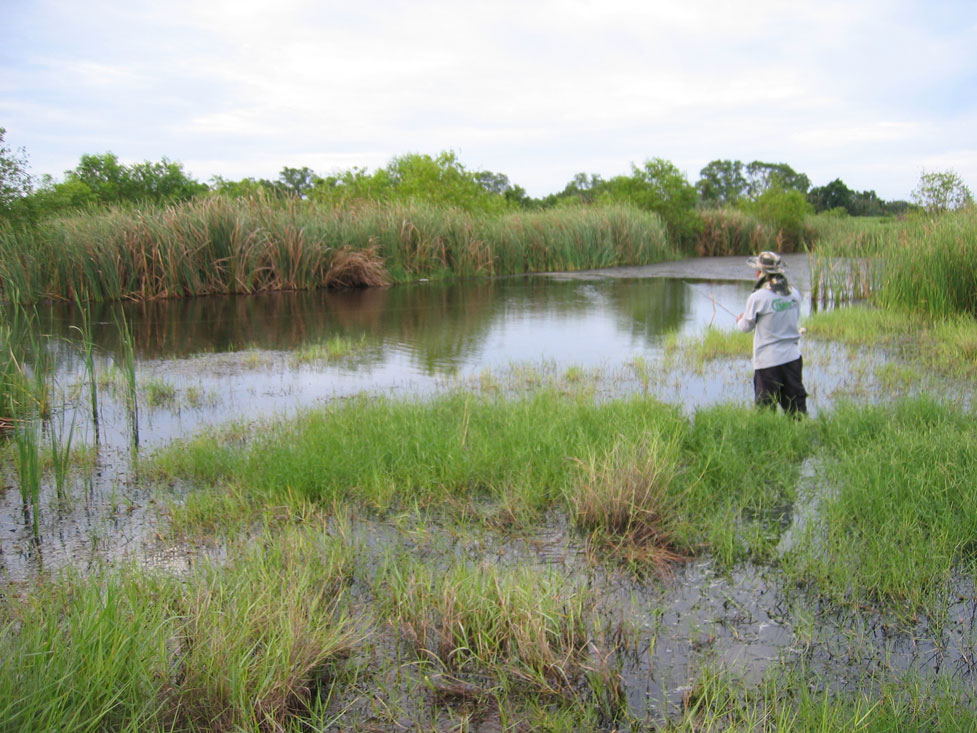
[
  {"x": 727, "y": 232},
  {"x": 357, "y": 268}
]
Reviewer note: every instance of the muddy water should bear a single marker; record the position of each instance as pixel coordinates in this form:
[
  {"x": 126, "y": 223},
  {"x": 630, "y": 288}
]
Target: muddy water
[{"x": 212, "y": 361}]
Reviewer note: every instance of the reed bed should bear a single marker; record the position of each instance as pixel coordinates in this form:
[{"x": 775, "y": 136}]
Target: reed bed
[
  {"x": 726, "y": 232},
  {"x": 217, "y": 245},
  {"x": 929, "y": 269}
]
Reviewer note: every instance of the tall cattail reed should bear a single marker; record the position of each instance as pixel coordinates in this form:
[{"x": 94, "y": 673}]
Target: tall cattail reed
[
  {"x": 216, "y": 245},
  {"x": 930, "y": 267},
  {"x": 727, "y": 232}
]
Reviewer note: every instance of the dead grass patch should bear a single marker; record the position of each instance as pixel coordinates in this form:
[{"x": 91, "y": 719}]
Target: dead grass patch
[{"x": 357, "y": 268}]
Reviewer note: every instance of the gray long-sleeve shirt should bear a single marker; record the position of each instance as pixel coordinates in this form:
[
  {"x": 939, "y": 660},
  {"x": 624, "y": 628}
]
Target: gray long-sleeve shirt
[{"x": 776, "y": 319}]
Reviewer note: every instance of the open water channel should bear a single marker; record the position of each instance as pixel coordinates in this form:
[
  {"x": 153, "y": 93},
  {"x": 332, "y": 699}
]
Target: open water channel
[{"x": 211, "y": 361}]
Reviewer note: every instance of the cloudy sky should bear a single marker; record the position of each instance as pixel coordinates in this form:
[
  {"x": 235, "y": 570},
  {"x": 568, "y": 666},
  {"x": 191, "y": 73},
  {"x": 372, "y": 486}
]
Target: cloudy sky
[{"x": 871, "y": 91}]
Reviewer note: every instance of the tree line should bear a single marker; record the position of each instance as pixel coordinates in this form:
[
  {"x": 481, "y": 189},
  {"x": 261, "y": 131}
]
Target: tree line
[{"x": 773, "y": 191}]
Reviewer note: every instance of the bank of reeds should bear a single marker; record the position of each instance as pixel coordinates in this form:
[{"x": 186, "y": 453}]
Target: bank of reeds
[
  {"x": 929, "y": 268},
  {"x": 216, "y": 245},
  {"x": 728, "y": 231},
  {"x": 922, "y": 264}
]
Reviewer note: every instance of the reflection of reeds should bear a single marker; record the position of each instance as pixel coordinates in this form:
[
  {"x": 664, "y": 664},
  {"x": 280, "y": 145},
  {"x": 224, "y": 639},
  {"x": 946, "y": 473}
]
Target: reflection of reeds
[
  {"x": 128, "y": 368},
  {"x": 29, "y": 472}
]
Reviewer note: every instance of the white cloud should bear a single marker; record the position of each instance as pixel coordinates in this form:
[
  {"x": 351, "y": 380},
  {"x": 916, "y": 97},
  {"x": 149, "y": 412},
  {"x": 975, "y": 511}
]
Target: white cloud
[{"x": 537, "y": 90}]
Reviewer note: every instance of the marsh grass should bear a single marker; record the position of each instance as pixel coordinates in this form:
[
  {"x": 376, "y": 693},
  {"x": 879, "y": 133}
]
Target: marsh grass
[
  {"x": 919, "y": 265},
  {"x": 128, "y": 370},
  {"x": 383, "y": 454},
  {"x": 28, "y": 471},
  {"x": 159, "y": 393},
  {"x": 626, "y": 500},
  {"x": 242, "y": 646},
  {"x": 87, "y": 344},
  {"x": 262, "y": 631},
  {"x": 85, "y": 654},
  {"x": 334, "y": 348},
  {"x": 792, "y": 699},
  {"x": 713, "y": 344},
  {"x": 483, "y": 626},
  {"x": 61, "y": 438},
  {"x": 730, "y": 475},
  {"x": 930, "y": 269},
  {"x": 946, "y": 345},
  {"x": 217, "y": 245},
  {"x": 730, "y": 231},
  {"x": 903, "y": 477}
]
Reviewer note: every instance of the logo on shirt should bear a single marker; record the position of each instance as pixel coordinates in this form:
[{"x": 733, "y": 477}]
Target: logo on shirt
[{"x": 782, "y": 305}]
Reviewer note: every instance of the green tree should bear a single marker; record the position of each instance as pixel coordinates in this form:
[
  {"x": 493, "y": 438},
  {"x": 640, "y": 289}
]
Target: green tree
[
  {"x": 297, "y": 182},
  {"x": 941, "y": 191},
  {"x": 113, "y": 182},
  {"x": 761, "y": 176},
  {"x": 104, "y": 175},
  {"x": 15, "y": 181},
  {"x": 834, "y": 195},
  {"x": 52, "y": 198},
  {"x": 585, "y": 188},
  {"x": 660, "y": 187},
  {"x": 163, "y": 181},
  {"x": 721, "y": 183},
  {"x": 785, "y": 209}
]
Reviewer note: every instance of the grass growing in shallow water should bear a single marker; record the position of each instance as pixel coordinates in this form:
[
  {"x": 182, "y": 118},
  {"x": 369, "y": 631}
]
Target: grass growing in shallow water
[{"x": 901, "y": 516}]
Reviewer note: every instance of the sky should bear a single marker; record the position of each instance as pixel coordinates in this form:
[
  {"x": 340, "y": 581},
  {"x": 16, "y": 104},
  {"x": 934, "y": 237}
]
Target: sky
[{"x": 873, "y": 92}]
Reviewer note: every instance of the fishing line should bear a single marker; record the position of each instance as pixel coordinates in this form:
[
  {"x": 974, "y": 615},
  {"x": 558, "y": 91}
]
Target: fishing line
[{"x": 713, "y": 299}]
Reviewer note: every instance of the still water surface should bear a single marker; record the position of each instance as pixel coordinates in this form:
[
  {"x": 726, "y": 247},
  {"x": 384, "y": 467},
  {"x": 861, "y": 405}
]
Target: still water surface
[{"x": 247, "y": 357}]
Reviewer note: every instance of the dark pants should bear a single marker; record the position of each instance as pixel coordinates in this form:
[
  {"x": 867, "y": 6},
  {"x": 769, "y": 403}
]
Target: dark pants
[{"x": 783, "y": 384}]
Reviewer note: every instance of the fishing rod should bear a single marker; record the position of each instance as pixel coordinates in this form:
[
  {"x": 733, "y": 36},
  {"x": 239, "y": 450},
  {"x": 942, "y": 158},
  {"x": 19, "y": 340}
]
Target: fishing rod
[{"x": 714, "y": 302}]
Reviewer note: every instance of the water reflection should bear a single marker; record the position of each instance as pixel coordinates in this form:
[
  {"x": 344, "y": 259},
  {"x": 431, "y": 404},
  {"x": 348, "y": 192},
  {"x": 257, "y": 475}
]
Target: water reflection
[{"x": 444, "y": 327}]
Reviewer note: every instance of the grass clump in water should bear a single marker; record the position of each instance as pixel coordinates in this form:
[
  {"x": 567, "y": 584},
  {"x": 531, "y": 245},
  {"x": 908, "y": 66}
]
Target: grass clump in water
[
  {"x": 626, "y": 499},
  {"x": 900, "y": 518},
  {"x": 235, "y": 647},
  {"x": 713, "y": 344},
  {"x": 334, "y": 348},
  {"x": 726, "y": 479}
]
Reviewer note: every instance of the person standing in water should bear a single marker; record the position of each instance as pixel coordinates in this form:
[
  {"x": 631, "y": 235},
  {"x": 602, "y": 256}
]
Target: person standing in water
[{"x": 773, "y": 313}]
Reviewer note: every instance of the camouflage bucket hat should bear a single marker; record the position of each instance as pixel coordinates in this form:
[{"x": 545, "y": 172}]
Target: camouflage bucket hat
[{"x": 769, "y": 263}]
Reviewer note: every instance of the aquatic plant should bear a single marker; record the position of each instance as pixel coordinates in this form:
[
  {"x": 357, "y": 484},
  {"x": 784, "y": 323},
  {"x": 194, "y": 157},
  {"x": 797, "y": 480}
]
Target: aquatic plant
[
  {"x": 901, "y": 477},
  {"x": 626, "y": 499},
  {"x": 29, "y": 472},
  {"x": 220, "y": 245},
  {"x": 511, "y": 627}
]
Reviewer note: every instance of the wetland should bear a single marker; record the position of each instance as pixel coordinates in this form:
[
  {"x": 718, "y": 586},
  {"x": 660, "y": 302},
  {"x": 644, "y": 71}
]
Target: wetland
[{"x": 538, "y": 502}]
